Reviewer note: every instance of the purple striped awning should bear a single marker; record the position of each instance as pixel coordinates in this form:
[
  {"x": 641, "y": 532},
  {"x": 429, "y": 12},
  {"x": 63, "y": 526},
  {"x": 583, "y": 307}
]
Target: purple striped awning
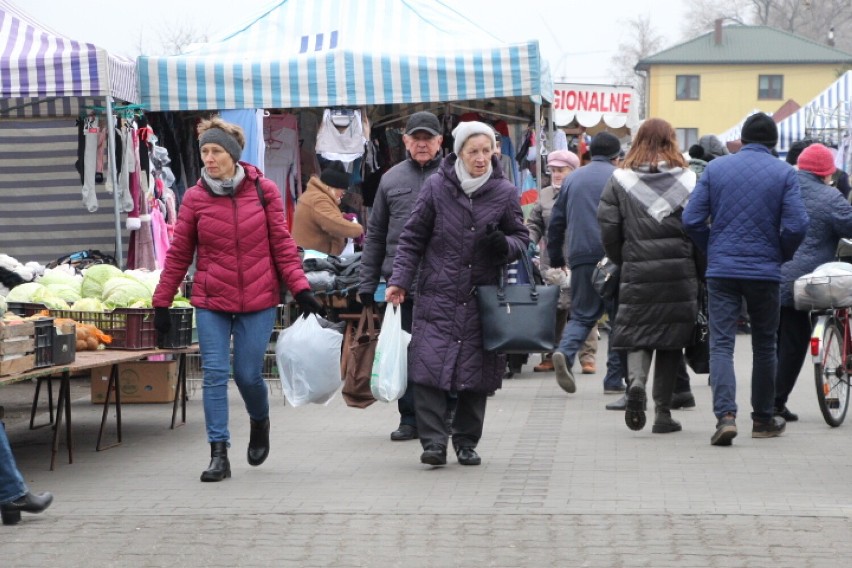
[{"x": 36, "y": 62}]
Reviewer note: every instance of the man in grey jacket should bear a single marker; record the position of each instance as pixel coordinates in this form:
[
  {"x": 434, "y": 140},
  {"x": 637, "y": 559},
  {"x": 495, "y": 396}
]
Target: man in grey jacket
[
  {"x": 392, "y": 206},
  {"x": 574, "y": 218}
]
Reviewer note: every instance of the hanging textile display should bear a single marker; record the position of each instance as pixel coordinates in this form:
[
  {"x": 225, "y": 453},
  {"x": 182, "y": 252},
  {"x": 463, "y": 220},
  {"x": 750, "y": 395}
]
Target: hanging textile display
[
  {"x": 341, "y": 135},
  {"x": 282, "y": 158}
]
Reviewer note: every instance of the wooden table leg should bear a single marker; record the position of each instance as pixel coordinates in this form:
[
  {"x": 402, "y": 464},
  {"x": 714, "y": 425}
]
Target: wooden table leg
[{"x": 113, "y": 385}]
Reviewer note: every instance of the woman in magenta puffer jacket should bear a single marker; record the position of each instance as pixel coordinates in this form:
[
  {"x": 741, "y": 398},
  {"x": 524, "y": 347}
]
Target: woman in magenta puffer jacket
[
  {"x": 232, "y": 222},
  {"x": 465, "y": 226}
]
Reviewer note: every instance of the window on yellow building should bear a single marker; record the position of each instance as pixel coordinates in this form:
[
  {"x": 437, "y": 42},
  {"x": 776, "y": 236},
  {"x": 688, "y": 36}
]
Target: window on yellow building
[
  {"x": 688, "y": 88},
  {"x": 686, "y": 137},
  {"x": 770, "y": 87}
]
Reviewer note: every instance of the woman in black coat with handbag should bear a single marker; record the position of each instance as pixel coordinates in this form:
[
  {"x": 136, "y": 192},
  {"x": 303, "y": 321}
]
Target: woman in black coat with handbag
[{"x": 640, "y": 219}]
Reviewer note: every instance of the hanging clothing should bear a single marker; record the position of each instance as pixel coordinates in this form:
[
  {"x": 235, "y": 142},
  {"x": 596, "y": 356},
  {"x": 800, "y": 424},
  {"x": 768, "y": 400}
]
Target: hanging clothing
[
  {"x": 282, "y": 158},
  {"x": 341, "y": 143},
  {"x": 90, "y": 157},
  {"x": 252, "y": 123}
]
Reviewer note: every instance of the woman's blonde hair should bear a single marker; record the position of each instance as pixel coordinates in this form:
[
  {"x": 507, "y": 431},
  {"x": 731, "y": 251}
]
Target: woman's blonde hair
[
  {"x": 655, "y": 142},
  {"x": 229, "y": 128}
]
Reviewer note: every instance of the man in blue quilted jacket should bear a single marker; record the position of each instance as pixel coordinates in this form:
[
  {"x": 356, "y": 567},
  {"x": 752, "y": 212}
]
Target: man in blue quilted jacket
[{"x": 748, "y": 216}]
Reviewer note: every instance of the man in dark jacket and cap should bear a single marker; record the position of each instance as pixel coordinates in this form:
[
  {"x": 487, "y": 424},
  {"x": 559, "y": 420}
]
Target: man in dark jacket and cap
[
  {"x": 574, "y": 218},
  {"x": 758, "y": 221},
  {"x": 392, "y": 206}
]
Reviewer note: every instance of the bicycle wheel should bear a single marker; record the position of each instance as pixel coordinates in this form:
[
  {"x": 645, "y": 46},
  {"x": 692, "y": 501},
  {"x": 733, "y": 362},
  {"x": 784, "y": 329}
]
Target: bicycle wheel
[{"x": 832, "y": 375}]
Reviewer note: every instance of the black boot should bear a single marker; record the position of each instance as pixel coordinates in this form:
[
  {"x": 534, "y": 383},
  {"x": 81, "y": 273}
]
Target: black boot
[
  {"x": 29, "y": 503},
  {"x": 220, "y": 467},
  {"x": 258, "y": 448}
]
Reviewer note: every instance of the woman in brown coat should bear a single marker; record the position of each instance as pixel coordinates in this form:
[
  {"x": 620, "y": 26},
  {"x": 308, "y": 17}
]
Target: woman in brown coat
[{"x": 318, "y": 223}]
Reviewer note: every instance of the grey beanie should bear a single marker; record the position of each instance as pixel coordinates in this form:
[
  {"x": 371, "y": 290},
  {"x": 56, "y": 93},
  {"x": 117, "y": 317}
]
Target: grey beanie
[
  {"x": 467, "y": 129},
  {"x": 223, "y": 139}
]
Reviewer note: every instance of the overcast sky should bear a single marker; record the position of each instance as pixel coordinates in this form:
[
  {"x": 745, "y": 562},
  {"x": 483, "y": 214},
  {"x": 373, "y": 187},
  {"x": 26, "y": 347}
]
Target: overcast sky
[{"x": 579, "y": 38}]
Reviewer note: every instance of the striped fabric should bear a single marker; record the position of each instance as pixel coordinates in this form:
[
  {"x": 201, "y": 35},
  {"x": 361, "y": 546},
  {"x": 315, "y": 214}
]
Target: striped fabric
[
  {"x": 321, "y": 53},
  {"x": 42, "y": 216},
  {"x": 38, "y": 63},
  {"x": 825, "y": 117}
]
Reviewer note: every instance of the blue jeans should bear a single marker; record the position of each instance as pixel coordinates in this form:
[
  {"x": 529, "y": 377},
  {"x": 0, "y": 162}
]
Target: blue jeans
[
  {"x": 587, "y": 307},
  {"x": 251, "y": 332},
  {"x": 12, "y": 484},
  {"x": 725, "y": 296}
]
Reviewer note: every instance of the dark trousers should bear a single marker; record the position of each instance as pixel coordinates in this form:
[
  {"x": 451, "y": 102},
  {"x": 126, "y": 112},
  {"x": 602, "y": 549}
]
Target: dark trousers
[
  {"x": 794, "y": 337},
  {"x": 406, "y": 403},
  {"x": 433, "y": 405},
  {"x": 665, "y": 372},
  {"x": 682, "y": 381}
]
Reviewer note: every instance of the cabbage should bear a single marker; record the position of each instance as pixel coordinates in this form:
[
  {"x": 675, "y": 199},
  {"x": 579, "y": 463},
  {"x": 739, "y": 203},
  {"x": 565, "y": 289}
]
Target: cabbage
[
  {"x": 60, "y": 277},
  {"x": 48, "y": 298},
  {"x": 88, "y": 305},
  {"x": 2, "y": 305},
  {"x": 24, "y": 292},
  {"x": 150, "y": 278},
  {"x": 95, "y": 277},
  {"x": 124, "y": 291},
  {"x": 65, "y": 292}
]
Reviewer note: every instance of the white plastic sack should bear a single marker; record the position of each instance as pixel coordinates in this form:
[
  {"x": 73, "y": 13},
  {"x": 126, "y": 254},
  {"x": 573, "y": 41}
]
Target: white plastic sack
[
  {"x": 390, "y": 363},
  {"x": 308, "y": 358},
  {"x": 829, "y": 286}
]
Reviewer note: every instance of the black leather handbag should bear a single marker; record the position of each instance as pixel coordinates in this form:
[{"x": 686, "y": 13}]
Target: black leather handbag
[
  {"x": 518, "y": 318},
  {"x": 605, "y": 278},
  {"x": 698, "y": 352}
]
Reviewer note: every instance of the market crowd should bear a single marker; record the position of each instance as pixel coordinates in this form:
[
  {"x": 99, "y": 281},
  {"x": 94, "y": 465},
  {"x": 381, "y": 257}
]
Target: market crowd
[{"x": 699, "y": 233}]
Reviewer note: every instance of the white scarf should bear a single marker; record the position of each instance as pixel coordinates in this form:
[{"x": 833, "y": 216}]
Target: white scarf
[{"x": 470, "y": 184}]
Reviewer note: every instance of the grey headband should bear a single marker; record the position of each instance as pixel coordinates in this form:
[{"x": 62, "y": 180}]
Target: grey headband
[{"x": 223, "y": 139}]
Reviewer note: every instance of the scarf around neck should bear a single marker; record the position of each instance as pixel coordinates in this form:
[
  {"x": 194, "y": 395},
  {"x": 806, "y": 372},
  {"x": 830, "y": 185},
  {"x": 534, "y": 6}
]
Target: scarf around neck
[
  {"x": 470, "y": 184},
  {"x": 224, "y": 186},
  {"x": 660, "y": 192}
]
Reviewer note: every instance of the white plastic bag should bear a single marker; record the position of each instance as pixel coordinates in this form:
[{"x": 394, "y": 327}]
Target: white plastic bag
[
  {"x": 390, "y": 364},
  {"x": 308, "y": 357}
]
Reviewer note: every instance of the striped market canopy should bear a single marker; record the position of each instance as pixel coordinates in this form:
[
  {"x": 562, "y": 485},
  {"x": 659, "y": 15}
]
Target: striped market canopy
[
  {"x": 37, "y": 63},
  {"x": 325, "y": 53},
  {"x": 825, "y": 118}
]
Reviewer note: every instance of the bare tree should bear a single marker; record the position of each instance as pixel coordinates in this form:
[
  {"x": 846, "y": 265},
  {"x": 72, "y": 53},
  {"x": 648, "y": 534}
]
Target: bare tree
[
  {"x": 641, "y": 42},
  {"x": 703, "y": 14},
  {"x": 173, "y": 38}
]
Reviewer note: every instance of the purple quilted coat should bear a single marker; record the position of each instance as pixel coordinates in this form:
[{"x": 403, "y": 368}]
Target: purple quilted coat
[{"x": 440, "y": 238}]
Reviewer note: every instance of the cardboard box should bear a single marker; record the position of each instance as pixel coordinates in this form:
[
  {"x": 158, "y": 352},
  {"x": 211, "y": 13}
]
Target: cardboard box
[{"x": 140, "y": 382}]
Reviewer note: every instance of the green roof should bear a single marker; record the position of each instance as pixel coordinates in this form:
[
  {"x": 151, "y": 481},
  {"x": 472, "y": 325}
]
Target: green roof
[{"x": 743, "y": 45}]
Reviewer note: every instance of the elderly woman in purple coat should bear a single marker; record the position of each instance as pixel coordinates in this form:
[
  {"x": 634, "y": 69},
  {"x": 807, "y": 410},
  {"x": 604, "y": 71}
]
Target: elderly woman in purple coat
[{"x": 465, "y": 226}]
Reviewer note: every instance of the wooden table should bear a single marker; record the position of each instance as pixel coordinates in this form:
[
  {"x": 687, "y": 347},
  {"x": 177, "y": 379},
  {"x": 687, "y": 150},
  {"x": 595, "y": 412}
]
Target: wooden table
[{"x": 87, "y": 360}]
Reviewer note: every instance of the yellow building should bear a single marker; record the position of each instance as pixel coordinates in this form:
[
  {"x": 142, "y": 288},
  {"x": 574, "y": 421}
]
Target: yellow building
[{"x": 709, "y": 84}]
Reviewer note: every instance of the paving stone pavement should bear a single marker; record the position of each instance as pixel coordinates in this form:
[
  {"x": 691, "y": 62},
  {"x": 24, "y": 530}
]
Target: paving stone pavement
[{"x": 563, "y": 483}]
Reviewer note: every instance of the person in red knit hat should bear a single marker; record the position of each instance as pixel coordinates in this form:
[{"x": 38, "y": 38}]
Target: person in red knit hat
[{"x": 830, "y": 219}]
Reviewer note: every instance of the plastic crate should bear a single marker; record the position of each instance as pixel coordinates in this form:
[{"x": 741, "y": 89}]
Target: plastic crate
[
  {"x": 25, "y": 309},
  {"x": 43, "y": 342},
  {"x": 180, "y": 333},
  {"x": 130, "y": 328},
  {"x": 64, "y": 345}
]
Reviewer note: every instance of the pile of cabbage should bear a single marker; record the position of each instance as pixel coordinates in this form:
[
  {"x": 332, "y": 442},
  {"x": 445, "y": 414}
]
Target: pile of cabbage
[{"x": 102, "y": 287}]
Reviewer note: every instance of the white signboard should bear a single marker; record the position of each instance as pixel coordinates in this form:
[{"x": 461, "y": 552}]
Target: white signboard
[{"x": 590, "y": 104}]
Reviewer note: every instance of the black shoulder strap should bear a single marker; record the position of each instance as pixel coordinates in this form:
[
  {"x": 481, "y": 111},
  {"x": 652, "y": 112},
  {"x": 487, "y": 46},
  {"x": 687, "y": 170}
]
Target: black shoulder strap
[{"x": 260, "y": 195}]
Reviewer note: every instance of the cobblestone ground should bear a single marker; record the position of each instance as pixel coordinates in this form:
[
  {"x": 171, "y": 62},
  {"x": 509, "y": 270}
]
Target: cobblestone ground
[{"x": 563, "y": 483}]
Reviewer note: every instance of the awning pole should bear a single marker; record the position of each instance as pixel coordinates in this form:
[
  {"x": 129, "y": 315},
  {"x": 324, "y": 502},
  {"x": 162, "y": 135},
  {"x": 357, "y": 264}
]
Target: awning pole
[
  {"x": 113, "y": 174},
  {"x": 538, "y": 153}
]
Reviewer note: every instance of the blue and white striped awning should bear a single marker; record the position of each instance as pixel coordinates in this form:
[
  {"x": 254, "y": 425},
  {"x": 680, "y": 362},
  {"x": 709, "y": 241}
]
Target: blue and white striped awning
[
  {"x": 323, "y": 53},
  {"x": 825, "y": 118},
  {"x": 37, "y": 63}
]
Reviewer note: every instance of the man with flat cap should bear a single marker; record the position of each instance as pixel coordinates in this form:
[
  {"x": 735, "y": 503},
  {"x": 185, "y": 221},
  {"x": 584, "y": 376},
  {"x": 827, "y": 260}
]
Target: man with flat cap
[
  {"x": 392, "y": 206},
  {"x": 574, "y": 218}
]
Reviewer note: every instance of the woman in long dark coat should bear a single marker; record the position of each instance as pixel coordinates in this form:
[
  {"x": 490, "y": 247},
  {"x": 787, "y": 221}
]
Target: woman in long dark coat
[
  {"x": 465, "y": 226},
  {"x": 640, "y": 219}
]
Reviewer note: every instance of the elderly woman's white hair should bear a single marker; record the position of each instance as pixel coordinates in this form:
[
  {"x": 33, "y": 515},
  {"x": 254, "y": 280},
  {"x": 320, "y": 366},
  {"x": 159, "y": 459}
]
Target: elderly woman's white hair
[{"x": 467, "y": 129}]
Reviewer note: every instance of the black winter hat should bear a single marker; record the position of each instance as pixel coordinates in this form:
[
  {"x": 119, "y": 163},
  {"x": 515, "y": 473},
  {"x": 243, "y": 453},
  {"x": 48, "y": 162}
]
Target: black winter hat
[
  {"x": 335, "y": 177},
  {"x": 759, "y": 128},
  {"x": 605, "y": 144}
]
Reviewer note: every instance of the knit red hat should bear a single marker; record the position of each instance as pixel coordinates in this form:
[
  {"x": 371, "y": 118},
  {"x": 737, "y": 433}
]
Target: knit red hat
[{"x": 817, "y": 159}]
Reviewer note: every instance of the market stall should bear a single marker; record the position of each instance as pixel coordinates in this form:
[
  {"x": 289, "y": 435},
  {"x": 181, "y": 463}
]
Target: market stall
[{"x": 46, "y": 81}]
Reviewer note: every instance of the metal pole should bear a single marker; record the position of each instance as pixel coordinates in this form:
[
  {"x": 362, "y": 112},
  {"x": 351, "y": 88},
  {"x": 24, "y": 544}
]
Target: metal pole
[
  {"x": 113, "y": 174},
  {"x": 538, "y": 154}
]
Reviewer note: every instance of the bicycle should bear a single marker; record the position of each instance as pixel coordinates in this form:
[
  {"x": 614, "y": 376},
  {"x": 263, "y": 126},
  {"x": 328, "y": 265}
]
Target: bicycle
[{"x": 831, "y": 351}]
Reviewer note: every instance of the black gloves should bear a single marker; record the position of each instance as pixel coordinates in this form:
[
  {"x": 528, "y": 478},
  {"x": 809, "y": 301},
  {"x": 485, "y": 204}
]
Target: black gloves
[
  {"x": 366, "y": 299},
  {"x": 308, "y": 304},
  {"x": 162, "y": 320},
  {"x": 494, "y": 247}
]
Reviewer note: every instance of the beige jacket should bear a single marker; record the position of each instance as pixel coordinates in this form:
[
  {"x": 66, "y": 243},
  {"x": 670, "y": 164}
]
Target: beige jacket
[{"x": 318, "y": 223}]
